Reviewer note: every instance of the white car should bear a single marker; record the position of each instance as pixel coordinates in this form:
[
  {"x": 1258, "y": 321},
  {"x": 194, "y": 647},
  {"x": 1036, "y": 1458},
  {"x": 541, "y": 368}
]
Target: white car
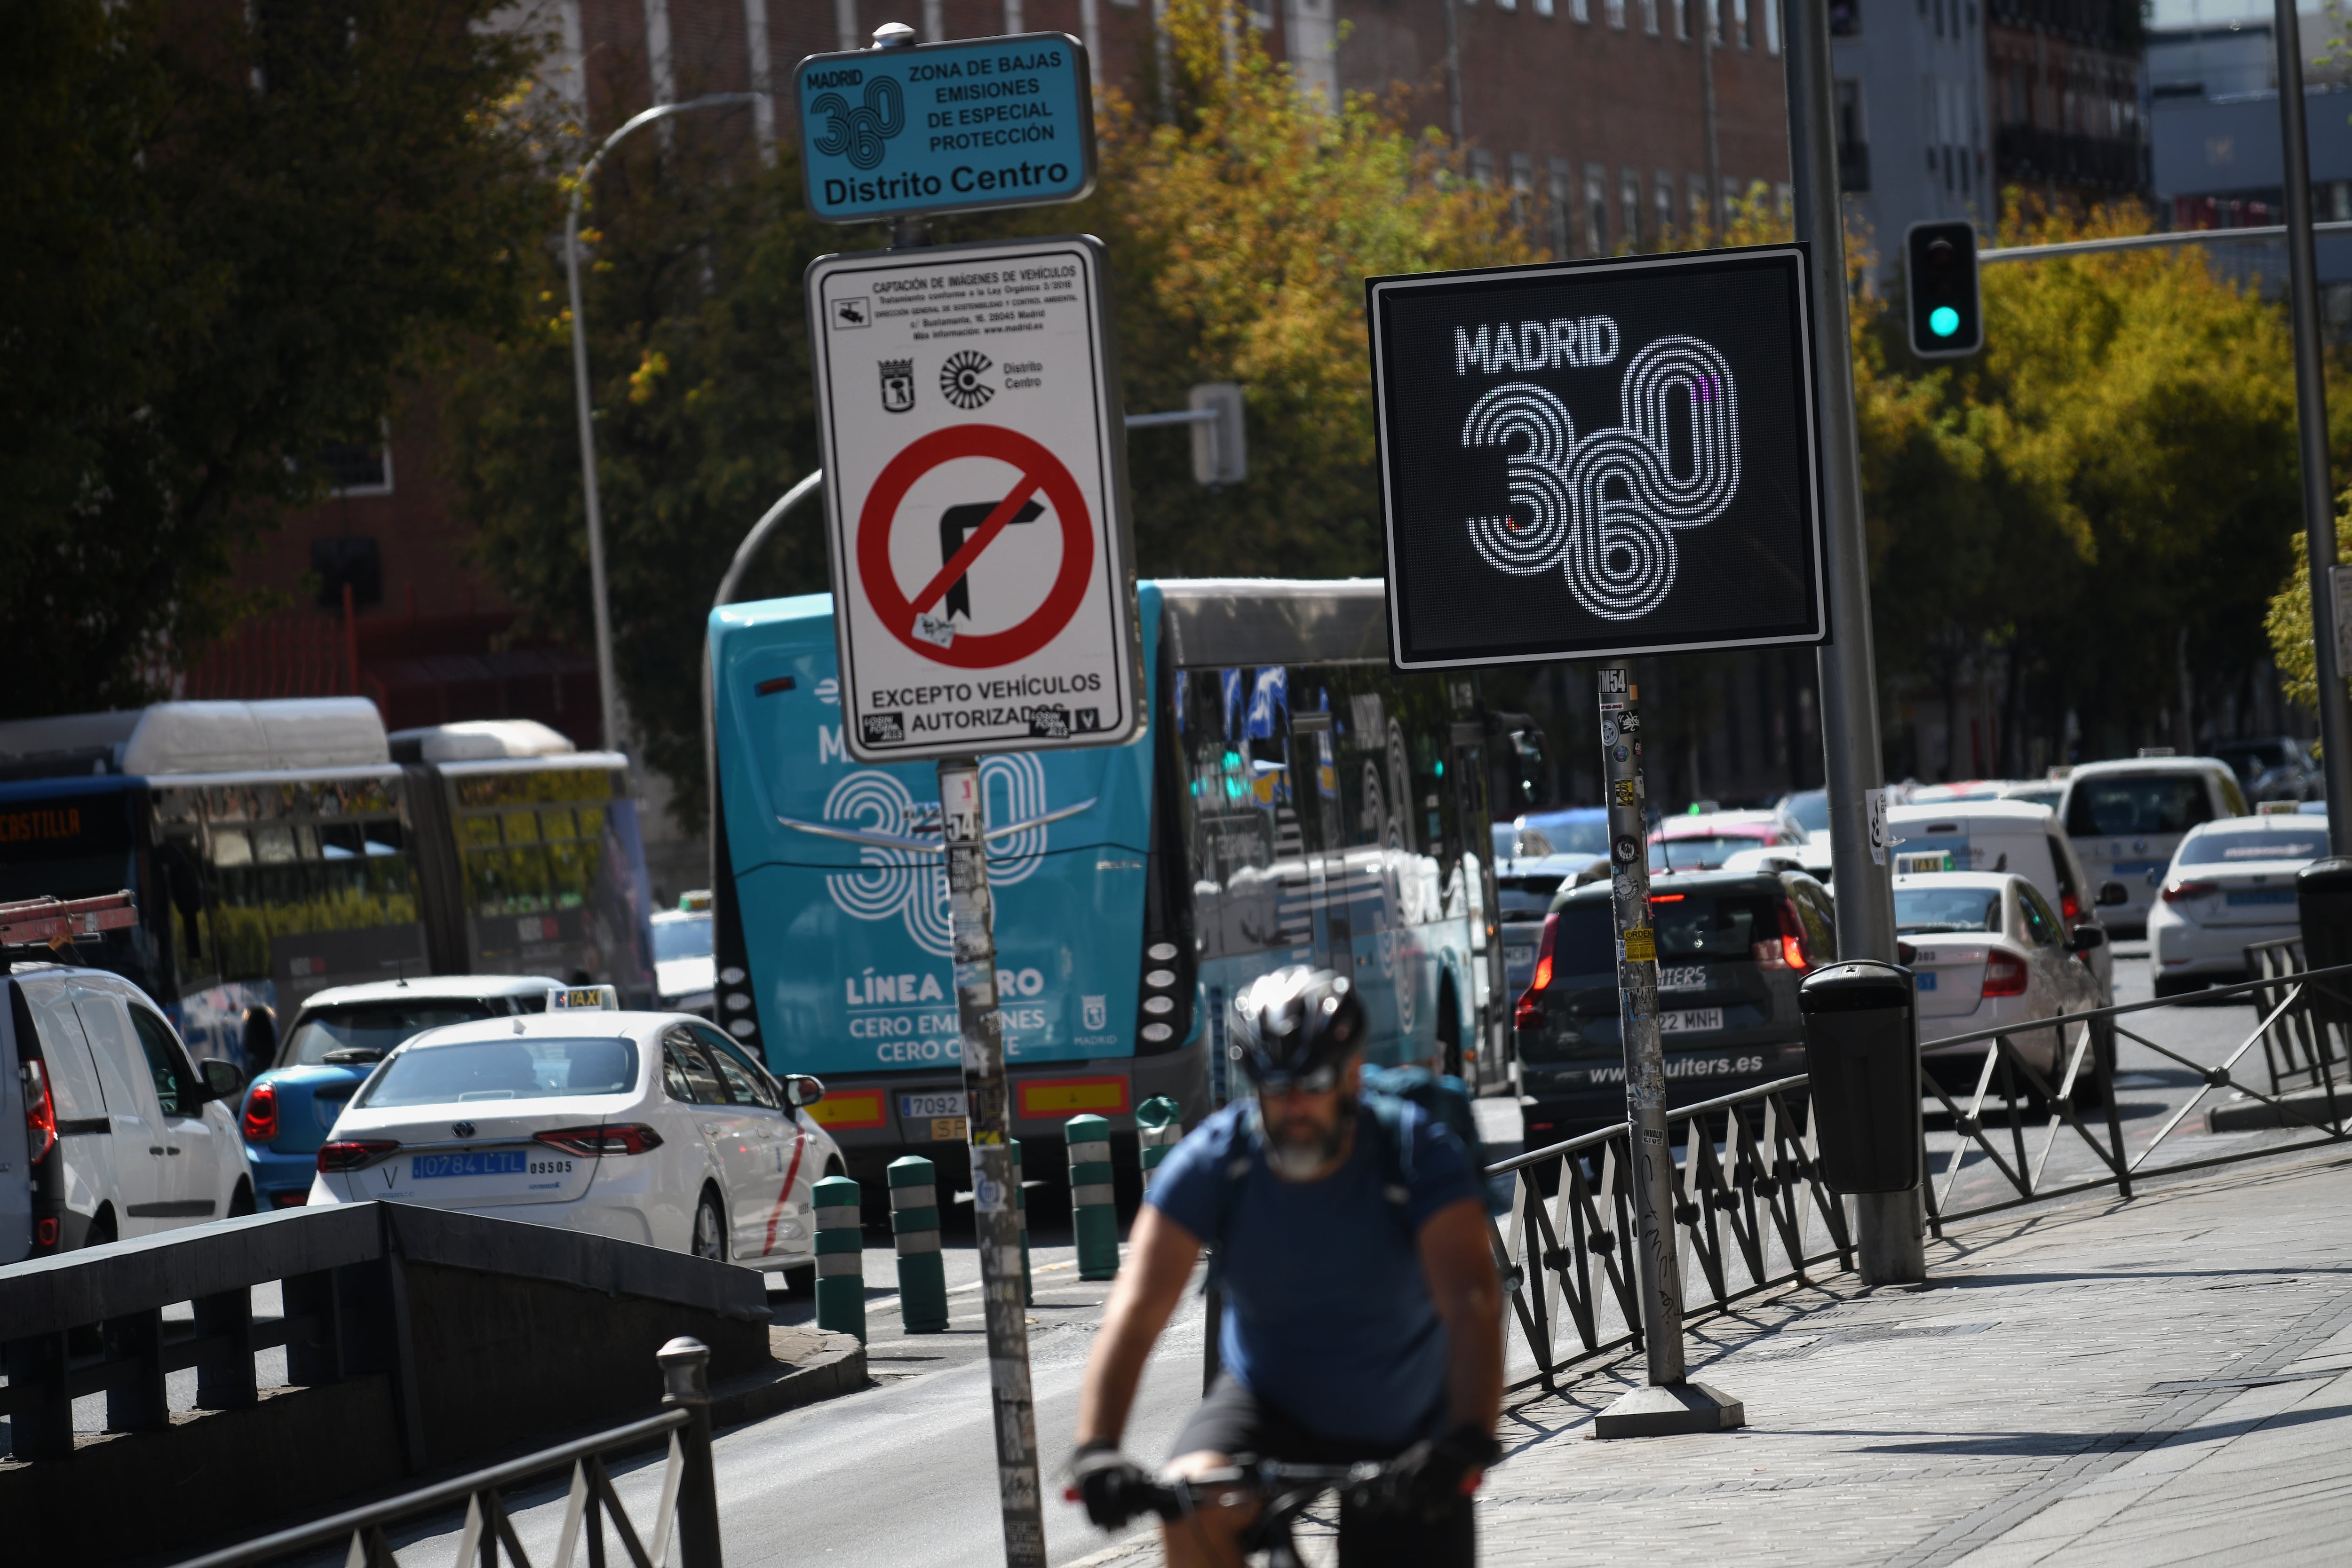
[
  {"x": 146, "y": 1139},
  {"x": 684, "y": 971},
  {"x": 2127, "y": 817},
  {"x": 2014, "y": 835},
  {"x": 1989, "y": 950},
  {"x": 649, "y": 1127},
  {"x": 2231, "y": 884}
]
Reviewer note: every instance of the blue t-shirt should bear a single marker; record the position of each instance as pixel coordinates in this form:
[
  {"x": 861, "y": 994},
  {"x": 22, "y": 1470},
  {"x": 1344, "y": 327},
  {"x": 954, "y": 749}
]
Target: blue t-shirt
[{"x": 1328, "y": 1315}]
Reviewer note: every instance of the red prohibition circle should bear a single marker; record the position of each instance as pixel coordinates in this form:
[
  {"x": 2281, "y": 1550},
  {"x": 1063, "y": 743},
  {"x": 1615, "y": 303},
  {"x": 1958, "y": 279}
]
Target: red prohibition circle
[{"x": 1040, "y": 470}]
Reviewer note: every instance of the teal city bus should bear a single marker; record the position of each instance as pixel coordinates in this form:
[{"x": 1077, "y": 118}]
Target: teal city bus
[{"x": 1292, "y": 800}]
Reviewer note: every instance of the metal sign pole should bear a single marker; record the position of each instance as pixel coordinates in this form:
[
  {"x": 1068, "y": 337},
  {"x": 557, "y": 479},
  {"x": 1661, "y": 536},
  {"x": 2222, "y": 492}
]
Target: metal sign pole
[
  {"x": 1892, "y": 1240},
  {"x": 1669, "y": 1405},
  {"x": 2311, "y": 410},
  {"x": 993, "y": 1181}
]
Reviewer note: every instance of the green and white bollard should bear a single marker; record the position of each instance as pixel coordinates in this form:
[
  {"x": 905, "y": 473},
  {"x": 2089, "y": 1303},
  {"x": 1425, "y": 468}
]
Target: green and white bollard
[
  {"x": 840, "y": 1258},
  {"x": 1021, "y": 1207},
  {"x": 1158, "y": 1127},
  {"x": 1094, "y": 1210},
  {"x": 914, "y": 1228}
]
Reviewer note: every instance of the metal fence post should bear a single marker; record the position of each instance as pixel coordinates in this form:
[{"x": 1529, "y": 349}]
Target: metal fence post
[{"x": 686, "y": 1380}]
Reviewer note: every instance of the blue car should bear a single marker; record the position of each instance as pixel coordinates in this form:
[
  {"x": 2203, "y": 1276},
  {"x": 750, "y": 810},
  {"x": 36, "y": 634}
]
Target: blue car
[{"x": 337, "y": 1038}]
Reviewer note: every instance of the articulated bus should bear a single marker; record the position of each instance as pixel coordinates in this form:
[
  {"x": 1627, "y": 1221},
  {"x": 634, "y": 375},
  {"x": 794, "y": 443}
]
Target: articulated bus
[
  {"x": 274, "y": 849},
  {"x": 1292, "y": 800}
]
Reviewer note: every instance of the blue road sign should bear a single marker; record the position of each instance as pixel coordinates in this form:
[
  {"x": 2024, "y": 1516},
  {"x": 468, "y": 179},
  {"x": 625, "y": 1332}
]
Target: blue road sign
[{"x": 946, "y": 128}]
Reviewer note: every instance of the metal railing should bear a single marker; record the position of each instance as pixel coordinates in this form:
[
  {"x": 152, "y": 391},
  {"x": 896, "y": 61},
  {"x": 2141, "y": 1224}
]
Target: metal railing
[
  {"x": 1754, "y": 1214},
  {"x": 690, "y": 1495}
]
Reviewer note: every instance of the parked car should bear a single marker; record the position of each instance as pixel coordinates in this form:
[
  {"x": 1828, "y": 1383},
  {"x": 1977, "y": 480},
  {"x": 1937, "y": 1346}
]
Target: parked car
[
  {"x": 685, "y": 970},
  {"x": 1732, "y": 947},
  {"x": 651, "y": 1127},
  {"x": 2014, "y": 835},
  {"x": 124, "y": 1135},
  {"x": 336, "y": 1041},
  {"x": 1703, "y": 840},
  {"x": 1987, "y": 950},
  {"x": 2276, "y": 769},
  {"x": 2127, "y": 817},
  {"x": 2231, "y": 884}
]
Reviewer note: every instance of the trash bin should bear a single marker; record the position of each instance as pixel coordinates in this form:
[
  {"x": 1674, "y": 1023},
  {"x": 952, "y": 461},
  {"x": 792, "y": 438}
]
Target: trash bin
[
  {"x": 1862, "y": 1048},
  {"x": 2323, "y": 902}
]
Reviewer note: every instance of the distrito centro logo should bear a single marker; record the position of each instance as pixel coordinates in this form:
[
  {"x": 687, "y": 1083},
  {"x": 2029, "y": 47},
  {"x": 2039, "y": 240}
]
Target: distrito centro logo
[{"x": 1606, "y": 511}]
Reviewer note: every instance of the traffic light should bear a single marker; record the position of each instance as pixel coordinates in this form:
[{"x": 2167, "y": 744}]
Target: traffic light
[{"x": 1940, "y": 278}]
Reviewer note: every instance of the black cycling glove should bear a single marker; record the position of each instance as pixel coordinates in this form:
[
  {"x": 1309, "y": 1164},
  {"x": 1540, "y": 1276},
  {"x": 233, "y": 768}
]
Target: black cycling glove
[
  {"x": 1429, "y": 1478},
  {"x": 1106, "y": 1480}
]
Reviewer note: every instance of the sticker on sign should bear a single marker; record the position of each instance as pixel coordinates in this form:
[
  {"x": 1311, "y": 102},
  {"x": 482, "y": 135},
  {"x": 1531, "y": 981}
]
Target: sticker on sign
[{"x": 975, "y": 494}]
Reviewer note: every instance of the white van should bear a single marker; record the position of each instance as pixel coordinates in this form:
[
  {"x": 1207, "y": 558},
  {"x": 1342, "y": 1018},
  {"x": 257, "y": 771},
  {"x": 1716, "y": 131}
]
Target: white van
[
  {"x": 124, "y": 1137},
  {"x": 2022, "y": 839},
  {"x": 2127, "y": 817}
]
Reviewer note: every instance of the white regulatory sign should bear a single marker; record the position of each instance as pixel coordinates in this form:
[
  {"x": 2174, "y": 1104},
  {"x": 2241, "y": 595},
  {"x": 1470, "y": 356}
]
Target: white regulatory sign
[{"x": 975, "y": 491}]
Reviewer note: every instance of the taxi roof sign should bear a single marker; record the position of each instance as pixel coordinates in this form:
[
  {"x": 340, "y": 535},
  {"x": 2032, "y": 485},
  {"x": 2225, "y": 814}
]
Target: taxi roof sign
[{"x": 597, "y": 999}]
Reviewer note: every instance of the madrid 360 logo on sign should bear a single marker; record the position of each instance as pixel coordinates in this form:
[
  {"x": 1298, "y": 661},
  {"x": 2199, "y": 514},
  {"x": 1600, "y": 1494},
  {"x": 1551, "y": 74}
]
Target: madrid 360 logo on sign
[
  {"x": 1606, "y": 509},
  {"x": 1597, "y": 458}
]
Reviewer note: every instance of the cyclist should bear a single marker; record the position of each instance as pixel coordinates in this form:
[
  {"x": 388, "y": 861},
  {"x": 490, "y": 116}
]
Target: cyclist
[{"x": 1362, "y": 1320}]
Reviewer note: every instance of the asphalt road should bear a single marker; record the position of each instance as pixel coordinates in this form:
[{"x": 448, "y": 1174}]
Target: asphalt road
[{"x": 904, "y": 1473}]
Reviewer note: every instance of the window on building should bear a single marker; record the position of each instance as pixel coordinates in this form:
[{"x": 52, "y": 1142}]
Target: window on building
[
  {"x": 1628, "y": 210},
  {"x": 1740, "y": 19},
  {"x": 1559, "y": 180},
  {"x": 1596, "y": 210},
  {"x": 1784, "y": 200},
  {"x": 1580, "y": 10},
  {"x": 1482, "y": 168},
  {"x": 1772, "y": 27},
  {"x": 1523, "y": 189},
  {"x": 1701, "y": 223},
  {"x": 1617, "y": 15},
  {"x": 1663, "y": 193},
  {"x": 1683, "y": 19},
  {"x": 1650, "y": 17}
]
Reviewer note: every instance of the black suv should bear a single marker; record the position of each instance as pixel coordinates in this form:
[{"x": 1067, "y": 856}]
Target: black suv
[{"x": 1732, "y": 947}]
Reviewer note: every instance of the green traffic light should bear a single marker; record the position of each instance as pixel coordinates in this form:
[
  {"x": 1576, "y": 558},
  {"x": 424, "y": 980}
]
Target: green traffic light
[{"x": 1943, "y": 320}]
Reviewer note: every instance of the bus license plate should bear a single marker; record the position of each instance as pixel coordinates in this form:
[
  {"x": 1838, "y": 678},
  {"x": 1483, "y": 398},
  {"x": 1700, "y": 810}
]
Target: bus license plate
[
  {"x": 949, "y": 1130},
  {"x": 940, "y": 1103},
  {"x": 1682, "y": 976},
  {"x": 490, "y": 1161},
  {"x": 1691, "y": 1020}
]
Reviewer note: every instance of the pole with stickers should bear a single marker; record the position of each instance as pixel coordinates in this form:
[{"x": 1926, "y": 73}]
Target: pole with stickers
[{"x": 977, "y": 523}]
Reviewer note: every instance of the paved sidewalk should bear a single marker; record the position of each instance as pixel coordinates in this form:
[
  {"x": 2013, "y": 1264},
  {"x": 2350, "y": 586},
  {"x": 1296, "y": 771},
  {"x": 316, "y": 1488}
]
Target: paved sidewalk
[{"x": 2163, "y": 1381}]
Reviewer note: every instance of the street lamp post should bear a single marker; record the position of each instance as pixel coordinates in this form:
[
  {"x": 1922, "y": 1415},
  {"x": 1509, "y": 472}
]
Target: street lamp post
[{"x": 607, "y": 684}]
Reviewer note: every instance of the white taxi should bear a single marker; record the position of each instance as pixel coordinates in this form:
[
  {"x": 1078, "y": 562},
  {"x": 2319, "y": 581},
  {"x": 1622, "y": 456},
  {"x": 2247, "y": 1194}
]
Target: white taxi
[
  {"x": 2231, "y": 884},
  {"x": 1988, "y": 950},
  {"x": 647, "y": 1127}
]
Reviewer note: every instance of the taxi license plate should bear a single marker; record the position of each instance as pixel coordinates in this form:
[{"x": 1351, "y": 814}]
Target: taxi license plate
[
  {"x": 1926, "y": 980},
  {"x": 2264, "y": 895},
  {"x": 949, "y": 1130},
  {"x": 1691, "y": 1020},
  {"x": 490, "y": 1161},
  {"x": 938, "y": 1103}
]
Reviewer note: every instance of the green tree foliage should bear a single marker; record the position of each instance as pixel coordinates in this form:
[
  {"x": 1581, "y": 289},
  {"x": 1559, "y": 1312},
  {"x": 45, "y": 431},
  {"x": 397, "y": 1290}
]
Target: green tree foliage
[
  {"x": 2115, "y": 472},
  {"x": 2288, "y": 621},
  {"x": 226, "y": 235},
  {"x": 699, "y": 355}
]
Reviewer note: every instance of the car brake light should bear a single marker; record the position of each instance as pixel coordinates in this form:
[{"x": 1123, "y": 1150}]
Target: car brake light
[
  {"x": 2180, "y": 891},
  {"x": 261, "y": 1121},
  {"x": 1528, "y": 1014},
  {"x": 2004, "y": 974},
  {"x": 45, "y": 1232},
  {"x": 1786, "y": 951},
  {"x": 628, "y": 1138},
  {"x": 289, "y": 1197},
  {"x": 2070, "y": 906},
  {"x": 354, "y": 1153},
  {"x": 40, "y": 1111}
]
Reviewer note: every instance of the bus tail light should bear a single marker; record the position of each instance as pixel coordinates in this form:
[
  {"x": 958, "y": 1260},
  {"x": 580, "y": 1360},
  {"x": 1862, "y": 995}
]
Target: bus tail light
[
  {"x": 1528, "y": 1014},
  {"x": 40, "y": 1111},
  {"x": 2004, "y": 974},
  {"x": 259, "y": 1122},
  {"x": 354, "y": 1153},
  {"x": 623, "y": 1138}
]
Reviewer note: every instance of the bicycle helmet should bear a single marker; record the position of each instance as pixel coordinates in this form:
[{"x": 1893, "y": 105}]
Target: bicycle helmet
[{"x": 1295, "y": 1028}]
